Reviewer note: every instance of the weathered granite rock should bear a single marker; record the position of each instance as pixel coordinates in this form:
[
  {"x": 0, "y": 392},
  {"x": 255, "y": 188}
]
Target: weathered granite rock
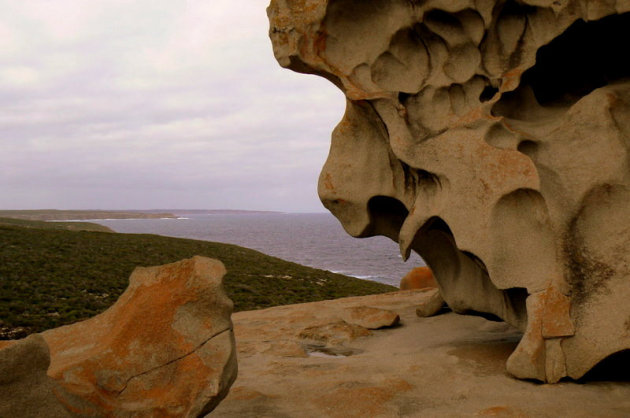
[
  {"x": 370, "y": 318},
  {"x": 26, "y": 391},
  {"x": 165, "y": 348},
  {"x": 492, "y": 138},
  {"x": 431, "y": 304},
  {"x": 418, "y": 278}
]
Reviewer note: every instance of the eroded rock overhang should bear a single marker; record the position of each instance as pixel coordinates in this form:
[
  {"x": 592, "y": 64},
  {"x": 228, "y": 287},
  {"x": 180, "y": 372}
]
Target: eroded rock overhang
[{"x": 492, "y": 138}]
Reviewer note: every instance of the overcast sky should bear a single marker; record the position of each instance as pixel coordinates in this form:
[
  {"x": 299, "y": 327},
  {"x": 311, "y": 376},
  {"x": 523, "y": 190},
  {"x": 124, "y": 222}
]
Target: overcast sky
[{"x": 144, "y": 104}]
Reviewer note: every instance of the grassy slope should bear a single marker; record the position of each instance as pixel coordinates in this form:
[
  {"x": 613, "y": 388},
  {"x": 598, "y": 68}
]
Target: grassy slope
[{"x": 49, "y": 278}]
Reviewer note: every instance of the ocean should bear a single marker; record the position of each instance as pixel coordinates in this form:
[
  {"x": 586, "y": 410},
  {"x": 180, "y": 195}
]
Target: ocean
[{"x": 312, "y": 239}]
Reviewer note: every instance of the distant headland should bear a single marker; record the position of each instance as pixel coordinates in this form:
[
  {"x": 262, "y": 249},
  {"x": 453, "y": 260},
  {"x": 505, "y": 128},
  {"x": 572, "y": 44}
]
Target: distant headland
[
  {"x": 65, "y": 215},
  {"x": 75, "y": 215}
]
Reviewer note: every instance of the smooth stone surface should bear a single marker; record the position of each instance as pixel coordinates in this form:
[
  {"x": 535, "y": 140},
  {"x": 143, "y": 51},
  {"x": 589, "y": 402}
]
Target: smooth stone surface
[{"x": 444, "y": 366}]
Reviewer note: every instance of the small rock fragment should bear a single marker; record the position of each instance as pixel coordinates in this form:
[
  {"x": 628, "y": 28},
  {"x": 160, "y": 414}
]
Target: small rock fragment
[
  {"x": 430, "y": 304},
  {"x": 335, "y": 333},
  {"x": 370, "y": 318}
]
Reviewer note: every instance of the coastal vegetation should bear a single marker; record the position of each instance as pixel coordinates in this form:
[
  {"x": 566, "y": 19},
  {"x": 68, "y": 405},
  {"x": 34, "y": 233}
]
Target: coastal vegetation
[
  {"x": 53, "y": 277},
  {"x": 68, "y": 226}
]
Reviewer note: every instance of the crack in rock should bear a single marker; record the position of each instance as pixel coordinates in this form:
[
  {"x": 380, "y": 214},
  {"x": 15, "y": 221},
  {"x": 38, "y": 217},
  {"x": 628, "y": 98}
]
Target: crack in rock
[{"x": 173, "y": 360}]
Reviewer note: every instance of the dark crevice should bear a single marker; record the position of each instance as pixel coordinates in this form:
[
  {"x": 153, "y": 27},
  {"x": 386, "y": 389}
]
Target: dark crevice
[
  {"x": 512, "y": 8},
  {"x": 386, "y": 217},
  {"x": 516, "y": 298},
  {"x": 484, "y": 315},
  {"x": 488, "y": 93},
  {"x": 587, "y": 56},
  {"x": 528, "y": 147},
  {"x": 402, "y": 97},
  {"x": 614, "y": 368},
  {"x": 442, "y": 18}
]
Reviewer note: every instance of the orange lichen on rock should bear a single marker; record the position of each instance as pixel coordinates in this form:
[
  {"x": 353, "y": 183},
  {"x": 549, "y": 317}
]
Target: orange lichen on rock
[
  {"x": 556, "y": 317},
  {"x": 165, "y": 348},
  {"x": 418, "y": 278}
]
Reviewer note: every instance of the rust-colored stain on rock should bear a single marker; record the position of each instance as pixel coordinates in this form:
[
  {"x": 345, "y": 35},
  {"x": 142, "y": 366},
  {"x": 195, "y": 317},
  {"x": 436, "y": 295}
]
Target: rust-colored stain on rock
[{"x": 165, "y": 348}]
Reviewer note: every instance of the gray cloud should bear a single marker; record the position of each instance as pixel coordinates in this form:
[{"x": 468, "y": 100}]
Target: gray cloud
[{"x": 151, "y": 104}]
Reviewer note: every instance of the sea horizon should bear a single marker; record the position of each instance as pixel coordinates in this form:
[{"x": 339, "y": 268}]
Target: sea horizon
[{"x": 312, "y": 239}]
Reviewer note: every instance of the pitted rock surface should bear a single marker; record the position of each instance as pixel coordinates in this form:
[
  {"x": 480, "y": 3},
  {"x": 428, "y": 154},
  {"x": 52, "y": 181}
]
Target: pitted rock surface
[{"x": 491, "y": 137}]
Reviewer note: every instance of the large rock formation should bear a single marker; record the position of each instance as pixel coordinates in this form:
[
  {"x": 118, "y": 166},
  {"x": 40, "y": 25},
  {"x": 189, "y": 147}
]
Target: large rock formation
[
  {"x": 165, "y": 348},
  {"x": 491, "y": 137}
]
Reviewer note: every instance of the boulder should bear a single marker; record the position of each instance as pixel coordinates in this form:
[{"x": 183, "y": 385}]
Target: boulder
[
  {"x": 165, "y": 348},
  {"x": 370, "y": 318},
  {"x": 418, "y": 278},
  {"x": 26, "y": 391},
  {"x": 430, "y": 304},
  {"x": 493, "y": 139}
]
